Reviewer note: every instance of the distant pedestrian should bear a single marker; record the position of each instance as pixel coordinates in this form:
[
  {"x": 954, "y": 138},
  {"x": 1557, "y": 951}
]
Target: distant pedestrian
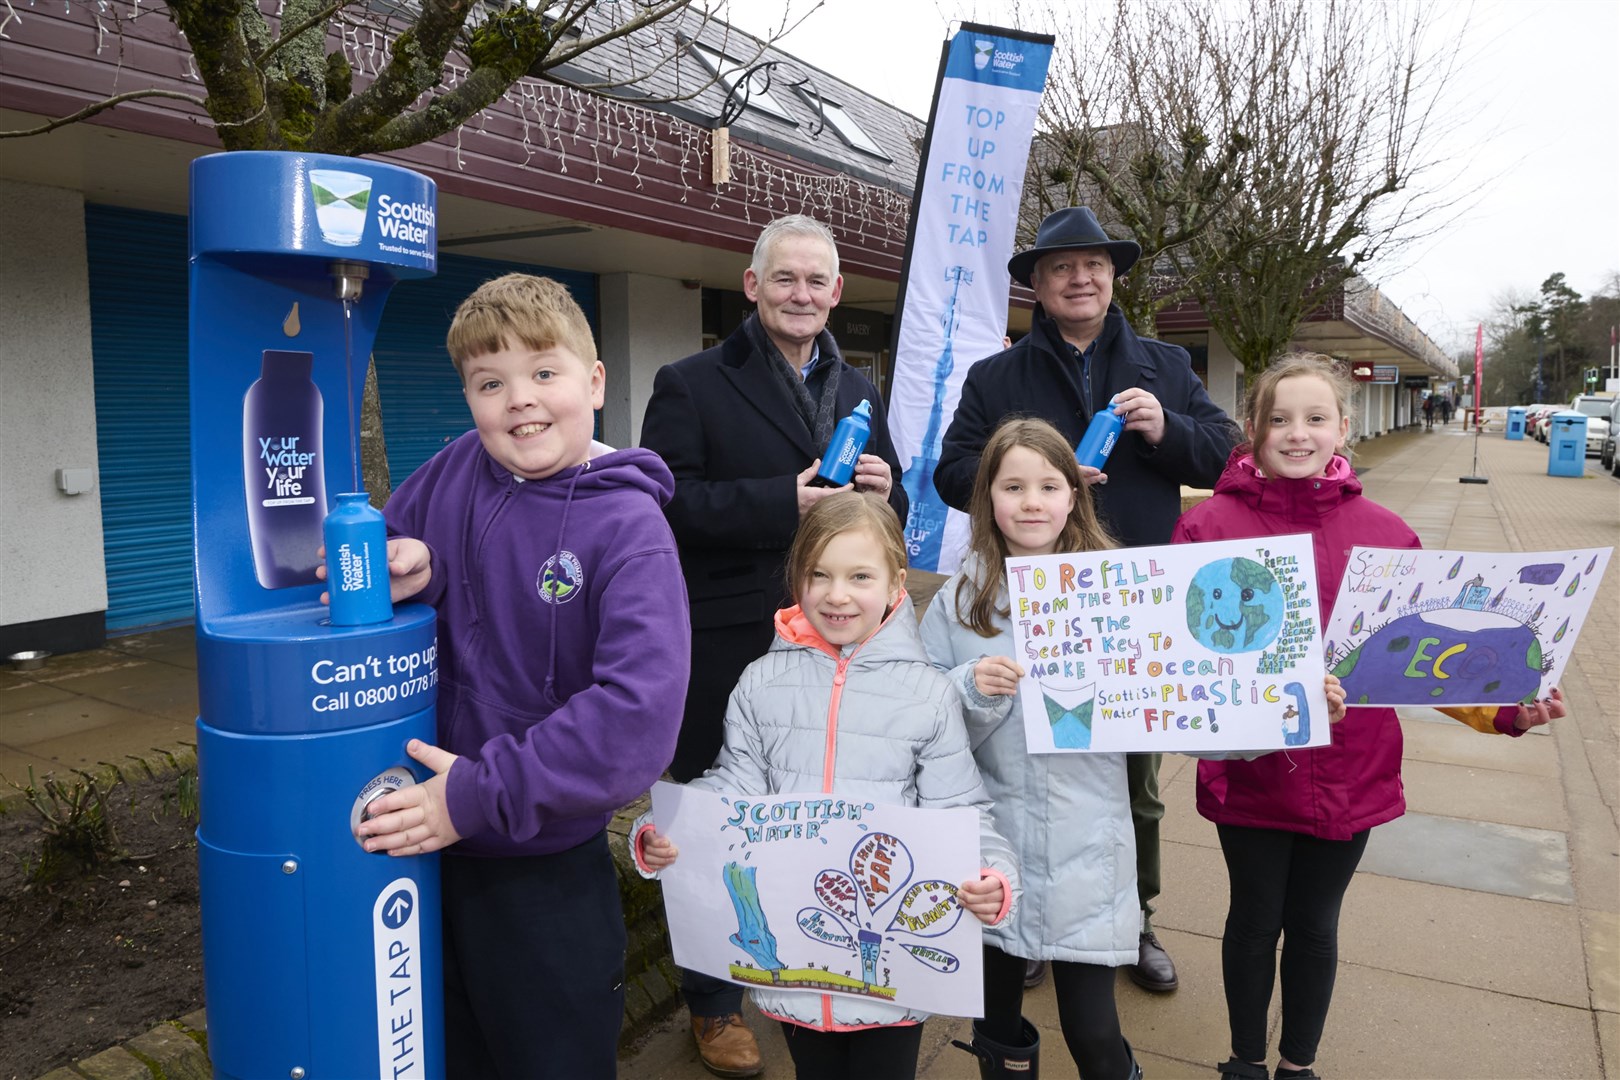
[
  {"x": 1445, "y": 410},
  {"x": 1293, "y": 827},
  {"x": 1428, "y": 412}
]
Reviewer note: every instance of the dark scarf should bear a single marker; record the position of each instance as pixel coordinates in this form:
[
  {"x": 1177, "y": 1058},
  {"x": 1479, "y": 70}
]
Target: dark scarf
[{"x": 815, "y": 409}]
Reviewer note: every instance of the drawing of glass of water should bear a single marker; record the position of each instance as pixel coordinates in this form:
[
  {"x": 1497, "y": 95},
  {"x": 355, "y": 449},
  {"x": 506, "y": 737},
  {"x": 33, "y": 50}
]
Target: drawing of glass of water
[{"x": 340, "y": 204}]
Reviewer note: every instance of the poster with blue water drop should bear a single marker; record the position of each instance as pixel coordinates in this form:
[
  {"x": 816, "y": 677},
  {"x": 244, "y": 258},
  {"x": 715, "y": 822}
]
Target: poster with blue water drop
[{"x": 825, "y": 893}]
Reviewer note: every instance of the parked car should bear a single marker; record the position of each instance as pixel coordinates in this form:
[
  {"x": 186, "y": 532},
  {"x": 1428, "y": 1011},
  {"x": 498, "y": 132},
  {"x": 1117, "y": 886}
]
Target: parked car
[
  {"x": 1544, "y": 422},
  {"x": 1535, "y": 421},
  {"x": 1596, "y": 408},
  {"x": 1607, "y": 457}
]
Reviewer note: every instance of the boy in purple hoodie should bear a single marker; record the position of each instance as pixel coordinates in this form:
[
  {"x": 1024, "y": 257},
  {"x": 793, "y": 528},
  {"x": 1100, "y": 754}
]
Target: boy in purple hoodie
[{"x": 563, "y": 660}]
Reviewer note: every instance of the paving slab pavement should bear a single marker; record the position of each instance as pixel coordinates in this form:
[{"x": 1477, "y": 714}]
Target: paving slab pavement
[
  {"x": 1480, "y": 939},
  {"x": 135, "y": 695},
  {"x": 1447, "y": 967}
]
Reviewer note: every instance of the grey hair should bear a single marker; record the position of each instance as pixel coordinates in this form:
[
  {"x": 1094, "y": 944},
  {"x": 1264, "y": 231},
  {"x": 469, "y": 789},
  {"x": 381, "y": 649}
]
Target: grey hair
[{"x": 791, "y": 225}]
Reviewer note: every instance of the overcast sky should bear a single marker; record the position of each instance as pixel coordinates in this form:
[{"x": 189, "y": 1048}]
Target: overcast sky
[{"x": 1541, "y": 82}]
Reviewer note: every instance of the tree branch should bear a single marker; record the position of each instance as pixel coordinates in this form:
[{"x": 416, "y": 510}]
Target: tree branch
[
  {"x": 518, "y": 42},
  {"x": 415, "y": 66},
  {"x": 316, "y": 19},
  {"x": 102, "y": 106}
]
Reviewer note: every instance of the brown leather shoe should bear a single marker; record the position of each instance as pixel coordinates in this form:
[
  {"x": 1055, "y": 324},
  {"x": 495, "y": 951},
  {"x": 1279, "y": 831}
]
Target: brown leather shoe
[
  {"x": 726, "y": 1045},
  {"x": 1153, "y": 969}
]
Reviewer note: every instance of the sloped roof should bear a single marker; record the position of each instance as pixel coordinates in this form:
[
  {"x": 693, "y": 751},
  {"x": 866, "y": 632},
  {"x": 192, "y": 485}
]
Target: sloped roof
[{"x": 896, "y": 132}]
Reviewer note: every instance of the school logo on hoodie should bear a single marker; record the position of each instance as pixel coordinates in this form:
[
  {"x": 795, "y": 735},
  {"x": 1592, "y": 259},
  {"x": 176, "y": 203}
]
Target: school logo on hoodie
[{"x": 561, "y": 578}]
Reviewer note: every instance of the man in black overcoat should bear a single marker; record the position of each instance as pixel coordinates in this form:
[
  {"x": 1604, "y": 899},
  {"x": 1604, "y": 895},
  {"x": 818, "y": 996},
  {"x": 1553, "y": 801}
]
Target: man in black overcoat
[
  {"x": 1079, "y": 356},
  {"x": 743, "y": 426}
]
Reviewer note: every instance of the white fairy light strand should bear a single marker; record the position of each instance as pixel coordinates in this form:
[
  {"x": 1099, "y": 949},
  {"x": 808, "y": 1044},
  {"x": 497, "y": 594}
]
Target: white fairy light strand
[{"x": 557, "y": 123}]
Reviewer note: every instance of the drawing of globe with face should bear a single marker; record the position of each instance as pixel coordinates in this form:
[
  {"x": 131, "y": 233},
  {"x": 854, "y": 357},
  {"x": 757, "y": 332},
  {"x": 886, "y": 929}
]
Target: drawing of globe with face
[{"x": 1234, "y": 606}]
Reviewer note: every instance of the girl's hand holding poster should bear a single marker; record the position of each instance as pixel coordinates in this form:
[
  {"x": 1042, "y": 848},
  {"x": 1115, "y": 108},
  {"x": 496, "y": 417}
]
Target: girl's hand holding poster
[
  {"x": 1454, "y": 628},
  {"x": 1192, "y": 647},
  {"x": 824, "y": 893}
]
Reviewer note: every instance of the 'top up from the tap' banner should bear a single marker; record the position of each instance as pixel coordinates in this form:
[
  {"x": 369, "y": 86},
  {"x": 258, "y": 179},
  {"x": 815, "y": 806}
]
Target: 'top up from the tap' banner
[{"x": 954, "y": 307}]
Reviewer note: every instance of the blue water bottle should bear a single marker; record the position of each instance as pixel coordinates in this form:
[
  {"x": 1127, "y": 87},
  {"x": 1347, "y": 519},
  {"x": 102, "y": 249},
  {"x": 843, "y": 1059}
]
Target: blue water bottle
[
  {"x": 1100, "y": 437},
  {"x": 848, "y": 440},
  {"x": 357, "y": 562}
]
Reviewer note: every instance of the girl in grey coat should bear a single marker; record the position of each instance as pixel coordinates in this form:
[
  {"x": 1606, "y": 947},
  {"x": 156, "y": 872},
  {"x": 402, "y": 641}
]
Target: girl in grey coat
[
  {"x": 1067, "y": 816},
  {"x": 846, "y": 702}
]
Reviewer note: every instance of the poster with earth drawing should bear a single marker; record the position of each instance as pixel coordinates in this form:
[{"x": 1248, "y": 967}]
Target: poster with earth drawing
[
  {"x": 1188, "y": 647},
  {"x": 824, "y": 893},
  {"x": 1448, "y": 628}
]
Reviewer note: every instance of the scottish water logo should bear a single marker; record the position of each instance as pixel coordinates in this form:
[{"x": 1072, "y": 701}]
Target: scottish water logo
[{"x": 341, "y": 199}]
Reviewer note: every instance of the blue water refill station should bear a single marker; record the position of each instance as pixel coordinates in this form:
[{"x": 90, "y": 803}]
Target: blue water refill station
[
  {"x": 1515, "y": 422},
  {"x": 319, "y": 960}
]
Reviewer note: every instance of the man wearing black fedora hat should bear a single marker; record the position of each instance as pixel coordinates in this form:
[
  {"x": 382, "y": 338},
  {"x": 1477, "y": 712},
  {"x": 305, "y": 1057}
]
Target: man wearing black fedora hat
[{"x": 1080, "y": 356}]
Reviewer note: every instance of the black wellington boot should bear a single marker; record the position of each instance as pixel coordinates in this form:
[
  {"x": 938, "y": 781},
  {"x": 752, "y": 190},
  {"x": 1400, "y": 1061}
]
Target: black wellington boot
[
  {"x": 1136, "y": 1066},
  {"x": 998, "y": 1061}
]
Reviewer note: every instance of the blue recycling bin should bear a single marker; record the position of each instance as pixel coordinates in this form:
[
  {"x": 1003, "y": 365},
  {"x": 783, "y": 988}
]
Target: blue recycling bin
[
  {"x": 1566, "y": 444},
  {"x": 1515, "y": 423}
]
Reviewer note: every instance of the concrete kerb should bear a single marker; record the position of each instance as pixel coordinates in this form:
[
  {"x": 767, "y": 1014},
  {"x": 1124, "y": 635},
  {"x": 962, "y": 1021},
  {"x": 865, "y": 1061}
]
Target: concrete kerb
[{"x": 176, "y": 1050}]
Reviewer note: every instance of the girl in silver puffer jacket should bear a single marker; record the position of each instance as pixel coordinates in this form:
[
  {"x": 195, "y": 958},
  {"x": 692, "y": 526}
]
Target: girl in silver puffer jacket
[{"x": 846, "y": 702}]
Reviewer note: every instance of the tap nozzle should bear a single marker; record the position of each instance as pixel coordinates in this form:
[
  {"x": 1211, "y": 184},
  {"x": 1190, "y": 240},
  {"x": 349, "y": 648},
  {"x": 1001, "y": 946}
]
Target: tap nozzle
[{"x": 349, "y": 278}]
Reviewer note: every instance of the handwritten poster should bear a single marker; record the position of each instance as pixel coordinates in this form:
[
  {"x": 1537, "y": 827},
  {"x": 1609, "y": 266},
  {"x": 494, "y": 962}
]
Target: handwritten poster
[
  {"x": 1209, "y": 647},
  {"x": 1448, "y": 628},
  {"x": 827, "y": 894}
]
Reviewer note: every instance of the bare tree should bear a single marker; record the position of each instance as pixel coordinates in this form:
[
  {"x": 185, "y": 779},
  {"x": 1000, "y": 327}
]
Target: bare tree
[
  {"x": 1262, "y": 152},
  {"x": 1344, "y": 135},
  {"x": 283, "y": 83},
  {"x": 1140, "y": 125},
  {"x": 1511, "y": 351}
]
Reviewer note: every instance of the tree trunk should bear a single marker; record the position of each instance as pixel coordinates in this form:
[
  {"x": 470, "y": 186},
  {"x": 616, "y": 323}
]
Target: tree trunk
[{"x": 373, "y": 443}]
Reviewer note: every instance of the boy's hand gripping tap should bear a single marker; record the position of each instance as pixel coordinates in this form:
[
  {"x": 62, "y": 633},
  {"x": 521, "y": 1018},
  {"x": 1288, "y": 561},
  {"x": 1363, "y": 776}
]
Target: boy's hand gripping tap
[{"x": 413, "y": 820}]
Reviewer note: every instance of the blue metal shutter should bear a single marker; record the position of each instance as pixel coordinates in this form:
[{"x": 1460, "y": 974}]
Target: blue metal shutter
[
  {"x": 422, "y": 406},
  {"x": 140, "y": 339}
]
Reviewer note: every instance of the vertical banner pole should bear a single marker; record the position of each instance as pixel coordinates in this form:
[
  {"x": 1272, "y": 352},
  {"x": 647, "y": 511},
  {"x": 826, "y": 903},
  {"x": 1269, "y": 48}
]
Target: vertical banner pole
[
  {"x": 954, "y": 287},
  {"x": 1479, "y": 404}
]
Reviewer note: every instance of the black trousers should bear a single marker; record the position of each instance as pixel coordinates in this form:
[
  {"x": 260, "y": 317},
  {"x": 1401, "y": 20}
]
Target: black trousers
[
  {"x": 1288, "y": 885},
  {"x": 880, "y": 1053},
  {"x": 534, "y": 965},
  {"x": 1086, "y": 1011},
  {"x": 719, "y": 655},
  {"x": 708, "y": 996}
]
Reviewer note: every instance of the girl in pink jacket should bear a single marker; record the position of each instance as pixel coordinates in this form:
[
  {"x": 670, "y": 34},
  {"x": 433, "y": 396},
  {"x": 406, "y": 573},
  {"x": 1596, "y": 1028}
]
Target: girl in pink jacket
[{"x": 1293, "y": 825}]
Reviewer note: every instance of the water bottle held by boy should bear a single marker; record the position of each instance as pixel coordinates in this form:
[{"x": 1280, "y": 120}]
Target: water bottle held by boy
[
  {"x": 1100, "y": 437},
  {"x": 357, "y": 562},
  {"x": 844, "y": 449}
]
